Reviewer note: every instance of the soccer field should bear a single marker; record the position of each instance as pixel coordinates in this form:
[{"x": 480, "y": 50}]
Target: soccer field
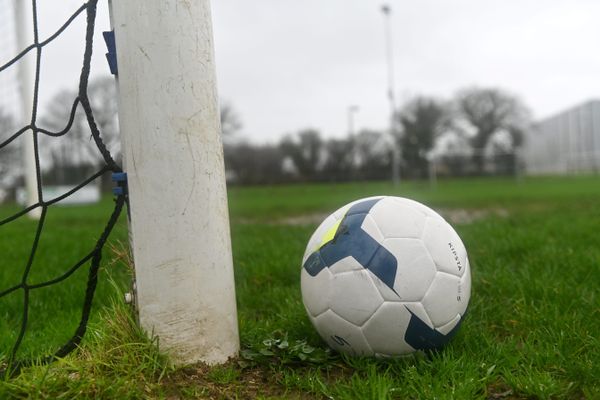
[{"x": 532, "y": 329}]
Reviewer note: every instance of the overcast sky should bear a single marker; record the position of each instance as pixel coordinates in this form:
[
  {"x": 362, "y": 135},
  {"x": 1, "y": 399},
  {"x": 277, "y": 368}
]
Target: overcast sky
[{"x": 287, "y": 64}]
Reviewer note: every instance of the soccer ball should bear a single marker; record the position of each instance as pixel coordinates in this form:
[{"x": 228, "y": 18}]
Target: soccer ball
[{"x": 385, "y": 276}]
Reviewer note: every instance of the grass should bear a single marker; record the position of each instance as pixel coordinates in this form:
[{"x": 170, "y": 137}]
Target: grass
[
  {"x": 532, "y": 331},
  {"x": 69, "y": 234}
]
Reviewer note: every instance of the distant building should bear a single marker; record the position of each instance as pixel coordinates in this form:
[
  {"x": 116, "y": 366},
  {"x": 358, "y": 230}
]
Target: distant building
[{"x": 566, "y": 143}]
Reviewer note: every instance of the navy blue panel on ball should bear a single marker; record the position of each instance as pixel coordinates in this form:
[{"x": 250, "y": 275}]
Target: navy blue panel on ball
[
  {"x": 384, "y": 266},
  {"x": 314, "y": 264},
  {"x": 350, "y": 240},
  {"x": 363, "y": 207},
  {"x": 421, "y": 337}
]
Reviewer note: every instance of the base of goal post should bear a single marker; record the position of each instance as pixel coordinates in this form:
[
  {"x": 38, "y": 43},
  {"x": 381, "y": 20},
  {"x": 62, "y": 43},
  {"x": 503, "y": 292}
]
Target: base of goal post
[{"x": 179, "y": 226}]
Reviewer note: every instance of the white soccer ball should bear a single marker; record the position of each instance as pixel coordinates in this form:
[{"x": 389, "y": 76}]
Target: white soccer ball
[{"x": 385, "y": 276}]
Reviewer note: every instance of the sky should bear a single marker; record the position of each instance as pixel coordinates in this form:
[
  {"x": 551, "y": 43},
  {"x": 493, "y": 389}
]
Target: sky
[{"x": 285, "y": 65}]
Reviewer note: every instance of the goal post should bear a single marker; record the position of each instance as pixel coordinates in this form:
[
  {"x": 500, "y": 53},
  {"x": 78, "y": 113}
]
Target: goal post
[
  {"x": 26, "y": 77},
  {"x": 173, "y": 157}
]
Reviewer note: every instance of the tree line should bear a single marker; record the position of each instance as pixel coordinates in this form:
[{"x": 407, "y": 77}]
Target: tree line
[
  {"x": 477, "y": 128},
  {"x": 476, "y": 132},
  {"x": 71, "y": 156}
]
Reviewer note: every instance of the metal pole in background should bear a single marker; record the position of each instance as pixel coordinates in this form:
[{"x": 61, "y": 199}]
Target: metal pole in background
[
  {"x": 26, "y": 74},
  {"x": 387, "y": 11},
  {"x": 352, "y": 110}
]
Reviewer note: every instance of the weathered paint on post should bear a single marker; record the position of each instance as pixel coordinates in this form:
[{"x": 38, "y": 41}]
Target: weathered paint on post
[{"x": 179, "y": 226}]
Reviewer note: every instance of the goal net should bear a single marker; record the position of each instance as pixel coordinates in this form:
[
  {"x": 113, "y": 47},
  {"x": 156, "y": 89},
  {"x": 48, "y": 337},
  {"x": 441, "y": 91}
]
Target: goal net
[
  {"x": 175, "y": 193},
  {"x": 22, "y": 50}
]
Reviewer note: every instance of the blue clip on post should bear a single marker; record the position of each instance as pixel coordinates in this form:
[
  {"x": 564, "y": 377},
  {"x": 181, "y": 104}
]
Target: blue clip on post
[
  {"x": 111, "y": 56},
  {"x": 120, "y": 178}
]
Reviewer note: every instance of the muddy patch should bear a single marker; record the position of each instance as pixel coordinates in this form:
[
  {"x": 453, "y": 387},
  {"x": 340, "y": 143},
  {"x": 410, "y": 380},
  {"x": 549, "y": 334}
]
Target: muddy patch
[
  {"x": 458, "y": 216},
  {"x": 463, "y": 216}
]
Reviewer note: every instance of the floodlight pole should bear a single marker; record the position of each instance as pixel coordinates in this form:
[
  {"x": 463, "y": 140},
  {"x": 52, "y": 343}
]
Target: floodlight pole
[
  {"x": 173, "y": 156},
  {"x": 26, "y": 74},
  {"x": 351, "y": 112},
  {"x": 387, "y": 11},
  {"x": 432, "y": 170}
]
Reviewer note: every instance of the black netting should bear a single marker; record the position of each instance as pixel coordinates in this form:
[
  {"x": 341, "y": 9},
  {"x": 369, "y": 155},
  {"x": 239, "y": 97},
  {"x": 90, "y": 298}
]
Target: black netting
[{"x": 93, "y": 258}]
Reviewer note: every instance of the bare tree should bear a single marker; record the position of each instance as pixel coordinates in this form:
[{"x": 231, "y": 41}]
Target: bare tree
[
  {"x": 102, "y": 93},
  {"x": 372, "y": 155},
  {"x": 10, "y": 168},
  {"x": 488, "y": 111},
  {"x": 254, "y": 164},
  {"x": 230, "y": 120},
  {"x": 339, "y": 159},
  {"x": 76, "y": 150},
  {"x": 306, "y": 151},
  {"x": 422, "y": 120}
]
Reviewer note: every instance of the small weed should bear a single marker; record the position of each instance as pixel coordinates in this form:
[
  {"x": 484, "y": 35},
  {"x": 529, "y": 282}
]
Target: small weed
[{"x": 280, "y": 350}]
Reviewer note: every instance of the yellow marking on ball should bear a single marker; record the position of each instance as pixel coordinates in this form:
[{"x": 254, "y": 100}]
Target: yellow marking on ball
[{"x": 330, "y": 234}]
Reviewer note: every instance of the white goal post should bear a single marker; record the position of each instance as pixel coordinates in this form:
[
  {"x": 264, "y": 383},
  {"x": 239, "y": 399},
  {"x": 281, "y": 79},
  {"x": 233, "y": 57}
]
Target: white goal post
[
  {"x": 173, "y": 156},
  {"x": 26, "y": 78}
]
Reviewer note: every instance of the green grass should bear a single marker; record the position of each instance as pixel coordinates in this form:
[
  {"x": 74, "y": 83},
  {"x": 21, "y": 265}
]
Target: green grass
[
  {"x": 69, "y": 234},
  {"x": 532, "y": 331},
  {"x": 266, "y": 203}
]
